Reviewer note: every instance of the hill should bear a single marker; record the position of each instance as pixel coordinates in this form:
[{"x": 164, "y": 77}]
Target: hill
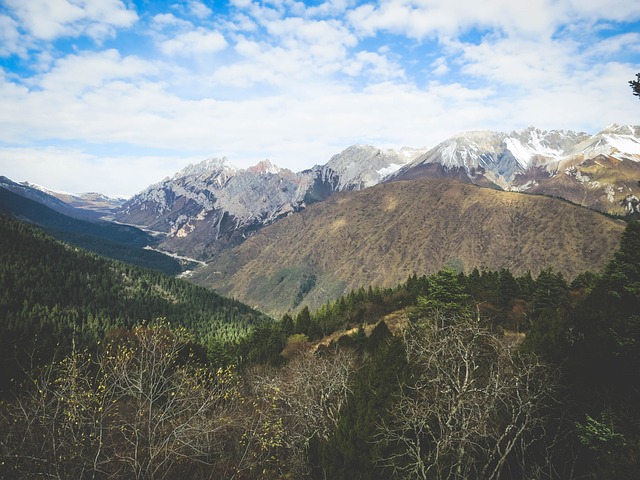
[
  {"x": 381, "y": 235},
  {"x": 52, "y": 293},
  {"x": 119, "y": 242}
]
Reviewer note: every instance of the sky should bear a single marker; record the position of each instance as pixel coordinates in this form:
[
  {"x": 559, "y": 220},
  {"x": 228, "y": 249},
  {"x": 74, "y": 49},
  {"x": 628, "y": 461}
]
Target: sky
[{"x": 114, "y": 95}]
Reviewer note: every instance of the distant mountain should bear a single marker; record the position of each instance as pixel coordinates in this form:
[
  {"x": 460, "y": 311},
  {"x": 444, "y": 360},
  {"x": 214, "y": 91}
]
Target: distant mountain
[
  {"x": 119, "y": 242},
  {"x": 208, "y": 207},
  {"x": 383, "y": 234},
  {"x": 87, "y": 206},
  {"x": 95, "y": 204},
  {"x": 598, "y": 171}
]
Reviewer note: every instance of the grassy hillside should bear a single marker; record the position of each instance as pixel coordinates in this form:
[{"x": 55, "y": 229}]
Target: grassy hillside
[{"x": 381, "y": 235}]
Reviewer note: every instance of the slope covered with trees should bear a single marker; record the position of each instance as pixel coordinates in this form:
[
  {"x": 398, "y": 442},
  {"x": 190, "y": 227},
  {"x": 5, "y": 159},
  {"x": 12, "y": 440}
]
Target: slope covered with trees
[
  {"x": 52, "y": 293},
  {"x": 119, "y": 242}
]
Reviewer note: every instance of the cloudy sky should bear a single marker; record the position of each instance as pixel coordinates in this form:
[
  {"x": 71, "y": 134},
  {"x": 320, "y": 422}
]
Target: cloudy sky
[{"x": 113, "y": 95}]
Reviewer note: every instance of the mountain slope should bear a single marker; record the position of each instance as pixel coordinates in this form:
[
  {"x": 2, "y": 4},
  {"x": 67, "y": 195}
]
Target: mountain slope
[
  {"x": 381, "y": 235},
  {"x": 119, "y": 242},
  {"x": 51, "y": 293},
  {"x": 48, "y": 199}
]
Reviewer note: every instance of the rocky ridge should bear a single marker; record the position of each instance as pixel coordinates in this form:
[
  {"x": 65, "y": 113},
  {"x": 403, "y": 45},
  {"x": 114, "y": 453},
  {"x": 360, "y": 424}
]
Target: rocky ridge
[
  {"x": 212, "y": 205},
  {"x": 597, "y": 171}
]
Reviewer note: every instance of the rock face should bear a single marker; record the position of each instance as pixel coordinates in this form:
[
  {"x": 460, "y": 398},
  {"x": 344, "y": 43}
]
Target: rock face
[
  {"x": 596, "y": 171},
  {"x": 208, "y": 207}
]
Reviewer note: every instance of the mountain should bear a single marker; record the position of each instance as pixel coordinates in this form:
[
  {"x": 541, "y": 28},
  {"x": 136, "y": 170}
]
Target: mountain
[
  {"x": 86, "y": 206},
  {"x": 119, "y": 242},
  {"x": 597, "y": 171},
  {"x": 208, "y": 207},
  {"x": 94, "y": 204},
  {"x": 381, "y": 235}
]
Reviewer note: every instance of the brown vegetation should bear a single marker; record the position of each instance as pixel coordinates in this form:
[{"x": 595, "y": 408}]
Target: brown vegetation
[{"x": 383, "y": 234}]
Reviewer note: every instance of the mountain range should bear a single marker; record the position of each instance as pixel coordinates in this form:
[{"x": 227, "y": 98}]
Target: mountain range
[
  {"x": 381, "y": 235},
  {"x": 209, "y": 207},
  {"x": 216, "y": 213}
]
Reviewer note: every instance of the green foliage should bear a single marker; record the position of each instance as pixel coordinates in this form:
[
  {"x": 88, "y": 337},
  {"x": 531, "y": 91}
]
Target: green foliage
[
  {"x": 599, "y": 434},
  {"x": 308, "y": 282},
  {"x": 51, "y": 294},
  {"x": 351, "y": 453},
  {"x": 88, "y": 321},
  {"x": 446, "y": 295},
  {"x": 635, "y": 85}
]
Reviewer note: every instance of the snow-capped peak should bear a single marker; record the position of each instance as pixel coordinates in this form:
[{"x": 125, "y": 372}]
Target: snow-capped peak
[
  {"x": 263, "y": 167},
  {"x": 614, "y": 140},
  {"x": 209, "y": 166}
]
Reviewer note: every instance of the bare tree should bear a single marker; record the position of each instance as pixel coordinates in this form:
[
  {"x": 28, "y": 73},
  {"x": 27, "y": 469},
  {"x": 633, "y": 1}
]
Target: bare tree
[
  {"x": 144, "y": 409},
  {"x": 473, "y": 405},
  {"x": 300, "y": 401},
  {"x": 170, "y": 410}
]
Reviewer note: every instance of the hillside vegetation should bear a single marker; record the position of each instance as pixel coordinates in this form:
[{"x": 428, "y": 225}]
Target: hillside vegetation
[
  {"x": 52, "y": 294},
  {"x": 489, "y": 375},
  {"x": 119, "y": 242},
  {"x": 383, "y": 234}
]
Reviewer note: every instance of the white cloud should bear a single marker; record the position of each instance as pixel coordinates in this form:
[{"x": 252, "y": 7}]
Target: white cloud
[
  {"x": 198, "y": 9},
  {"x": 196, "y": 42},
  {"x": 169, "y": 20},
  {"x": 525, "y": 63},
  {"x": 11, "y": 42},
  {"x": 74, "y": 171},
  {"x": 78, "y": 73},
  {"x": 422, "y": 19},
  {"x": 625, "y": 43},
  {"x": 440, "y": 67},
  {"x": 299, "y": 83},
  {"x": 614, "y": 10},
  {"x": 51, "y": 19},
  {"x": 376, "y": 66}
]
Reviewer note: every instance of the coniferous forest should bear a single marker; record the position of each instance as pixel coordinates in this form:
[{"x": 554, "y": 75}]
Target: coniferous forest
[{"x": 113, "y": 371}]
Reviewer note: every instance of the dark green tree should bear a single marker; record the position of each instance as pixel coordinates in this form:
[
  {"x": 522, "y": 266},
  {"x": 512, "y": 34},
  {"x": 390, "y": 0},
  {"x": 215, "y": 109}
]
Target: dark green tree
[
  {"x": 446, "y": 295},
  {"x": 635, "y": 85}
]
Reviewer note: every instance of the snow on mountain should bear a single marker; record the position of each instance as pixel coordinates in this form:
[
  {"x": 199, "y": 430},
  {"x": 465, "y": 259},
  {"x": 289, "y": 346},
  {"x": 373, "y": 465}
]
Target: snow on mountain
[
  {"x": 362, "y": 166},
  {"x": 211, "y": 204},
  {"x": 618, "y": 141},
  {"x": 598, "y": 171},
  {"x": 501, "y": 157}
]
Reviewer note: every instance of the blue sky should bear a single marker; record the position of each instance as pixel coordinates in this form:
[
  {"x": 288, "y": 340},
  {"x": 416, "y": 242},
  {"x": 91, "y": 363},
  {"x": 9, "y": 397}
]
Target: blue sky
[{"x": 113, "y": 95}]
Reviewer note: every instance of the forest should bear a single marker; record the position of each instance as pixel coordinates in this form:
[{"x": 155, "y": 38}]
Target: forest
[{"x": 113, "y": 371}]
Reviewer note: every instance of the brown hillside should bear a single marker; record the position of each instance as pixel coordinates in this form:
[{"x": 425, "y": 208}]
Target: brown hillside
[{"x": 381, "y": 235}]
